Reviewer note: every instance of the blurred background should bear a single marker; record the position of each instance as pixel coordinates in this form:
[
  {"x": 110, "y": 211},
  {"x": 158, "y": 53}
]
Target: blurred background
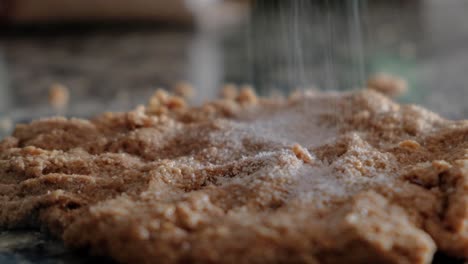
[{"x": 110, "y": 55}]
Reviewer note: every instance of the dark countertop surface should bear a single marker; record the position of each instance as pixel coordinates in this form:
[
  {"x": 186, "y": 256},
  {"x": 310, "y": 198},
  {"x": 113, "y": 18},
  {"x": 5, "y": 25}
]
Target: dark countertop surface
[{"x": 116, "y": 67}]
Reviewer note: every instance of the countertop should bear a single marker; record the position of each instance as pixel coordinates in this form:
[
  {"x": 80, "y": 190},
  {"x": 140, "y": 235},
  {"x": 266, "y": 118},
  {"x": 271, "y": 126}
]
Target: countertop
[{"x": 115, "y": 67}]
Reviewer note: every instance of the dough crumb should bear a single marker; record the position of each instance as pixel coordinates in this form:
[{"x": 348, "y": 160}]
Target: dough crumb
[
  {"x": 302, "y": 154},
  {"x": 388, "y": 84},
  {"x": 162, "y": 102},
  {"x": 409, "y": 145},
  {"x": 247, "y": 95},
  {"x": 183, "y": 89},
  {"x": 59, "y": 96},
  {"x": 229, "y": 91},
  {"x": 441, "y": 165}
]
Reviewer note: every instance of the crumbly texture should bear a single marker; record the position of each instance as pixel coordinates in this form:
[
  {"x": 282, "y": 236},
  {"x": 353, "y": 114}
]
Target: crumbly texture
[{"x": 318, "y": 178}]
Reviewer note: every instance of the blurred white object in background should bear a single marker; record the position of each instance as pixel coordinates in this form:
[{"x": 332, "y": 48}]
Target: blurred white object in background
[
  {"x": 217, "y": 14},
  {"x": 212, "y": 19}
]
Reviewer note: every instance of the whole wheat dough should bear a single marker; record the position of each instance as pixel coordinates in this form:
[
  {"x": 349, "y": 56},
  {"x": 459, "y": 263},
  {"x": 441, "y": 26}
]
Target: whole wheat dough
[{"x": 316, "y": 178}]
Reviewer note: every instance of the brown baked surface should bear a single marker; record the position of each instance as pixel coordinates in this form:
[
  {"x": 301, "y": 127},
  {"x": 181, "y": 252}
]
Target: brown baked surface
[{"x": 318, "y": 177}]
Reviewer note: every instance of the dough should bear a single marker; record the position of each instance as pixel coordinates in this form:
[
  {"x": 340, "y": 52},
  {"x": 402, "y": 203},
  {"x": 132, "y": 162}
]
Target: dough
[{"x": 316, "y": 178}]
